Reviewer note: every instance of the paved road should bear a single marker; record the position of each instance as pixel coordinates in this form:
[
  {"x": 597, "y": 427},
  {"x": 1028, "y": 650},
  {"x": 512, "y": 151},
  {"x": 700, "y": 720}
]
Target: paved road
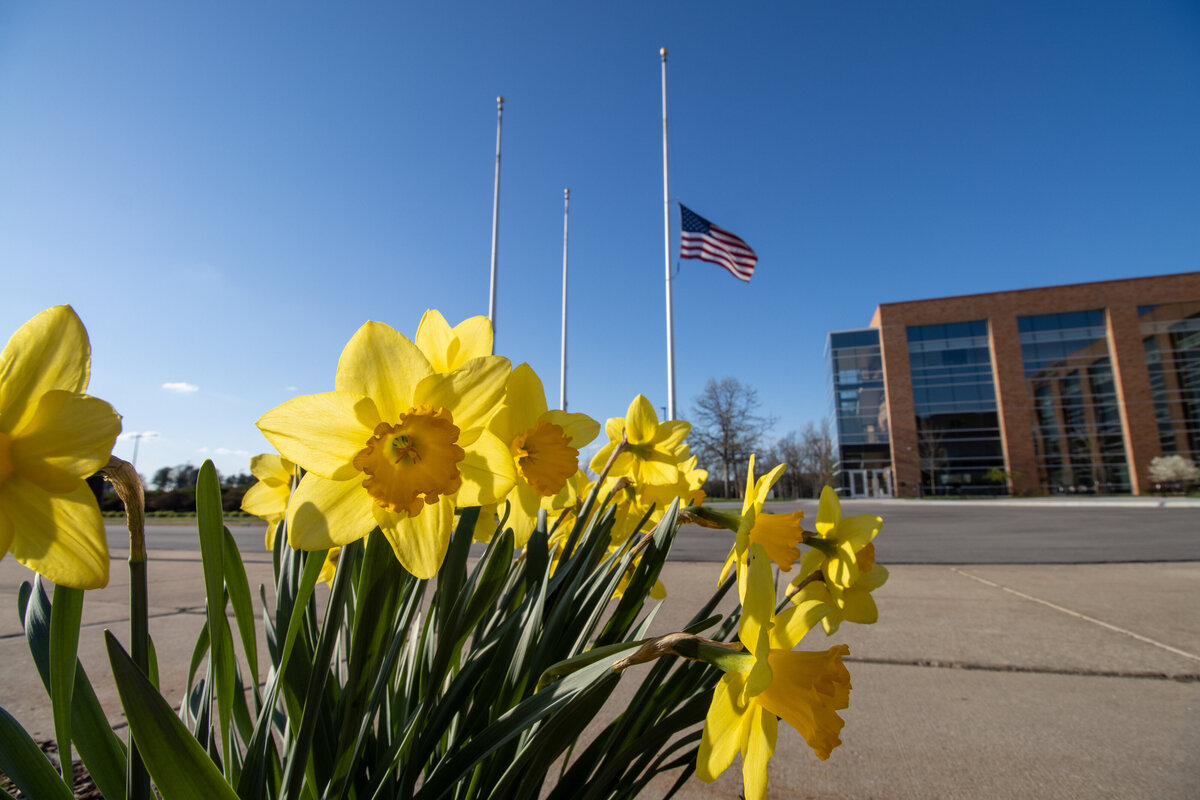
[{"x": 913, "y": 533}]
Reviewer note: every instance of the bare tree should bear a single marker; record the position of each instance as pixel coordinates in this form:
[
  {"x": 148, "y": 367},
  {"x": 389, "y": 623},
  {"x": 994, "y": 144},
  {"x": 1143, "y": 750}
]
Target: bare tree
[
  {"x": 726, "y": 426},
  {"x": 816, "y": 453}
]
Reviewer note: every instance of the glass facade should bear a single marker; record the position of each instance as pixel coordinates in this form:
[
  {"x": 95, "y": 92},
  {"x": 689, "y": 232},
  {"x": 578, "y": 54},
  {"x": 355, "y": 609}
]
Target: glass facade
[
  {"x": 858, "y": 406},
  {"x": 1078, "y": 439},
  {"x": 954, "y": 397},
  {"x": 1171, "y": 342}
]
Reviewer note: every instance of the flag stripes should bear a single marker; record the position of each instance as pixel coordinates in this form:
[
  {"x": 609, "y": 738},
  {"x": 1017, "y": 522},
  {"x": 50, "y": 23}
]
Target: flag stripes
[{"x": 699, "y": 238}]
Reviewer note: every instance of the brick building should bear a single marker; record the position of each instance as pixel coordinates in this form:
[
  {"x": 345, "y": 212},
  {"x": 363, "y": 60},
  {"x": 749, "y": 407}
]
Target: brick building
[{"x": 1066, "y": 389}]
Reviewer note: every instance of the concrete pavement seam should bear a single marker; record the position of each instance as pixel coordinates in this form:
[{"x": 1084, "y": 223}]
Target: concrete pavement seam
[
  {"x": 1182, "y": 677},
  {"x": 1085, "y": 617}
]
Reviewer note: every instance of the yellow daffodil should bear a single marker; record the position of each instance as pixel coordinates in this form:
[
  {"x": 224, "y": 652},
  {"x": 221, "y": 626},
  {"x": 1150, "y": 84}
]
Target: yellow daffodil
[
  {"x": 449, "y": 348},
  {"x": 654, "y": 451},
  {"x": 395, "y": 445},
  {"x": 329, "y": 568},
  {"x": 268, "y": 498},
  {"x": 779, "y": 534},
  {"x": 544, "y": 445},
  {"x": 853, "y": 603},
  {"x": 837, "y": 542},
  {"x": 52, "y": 437},
  {"x": 771, "y": 681}
]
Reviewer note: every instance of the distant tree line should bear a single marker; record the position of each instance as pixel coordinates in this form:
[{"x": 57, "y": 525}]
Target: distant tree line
[
  {"x": 173, "y": 489},
  {"x": 727, "y": 427}
]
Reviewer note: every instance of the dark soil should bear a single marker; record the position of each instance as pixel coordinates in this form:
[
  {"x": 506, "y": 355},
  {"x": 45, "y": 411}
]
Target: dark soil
[{"x": 85, "y": 789}]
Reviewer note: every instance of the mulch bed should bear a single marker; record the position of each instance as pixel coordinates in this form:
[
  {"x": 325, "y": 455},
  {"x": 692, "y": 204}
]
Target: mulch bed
[{"x": 85, "y": 789}]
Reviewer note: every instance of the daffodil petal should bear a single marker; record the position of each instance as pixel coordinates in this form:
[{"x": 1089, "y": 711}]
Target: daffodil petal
[
  {"x": 266, "y": 466},
  {"x": 471, "y": 392},
  {"x": 70, "y": 434},
  {"x": 580, "y": 429},
  {"x": 6, "y": 532},
  {"x": 758, "y": 606},
  {"x": 748, "y": 502},
  {"x": 381, "y": 363},
  {"x": 475, "y": 338},
  {"x": 435, "y": 339},
  {"x": 268, "y": 502},
  {"x": 672, "y": 433},
  {"x": 420, "y": 542},
  {"x": 641, "y": 423},
  {"x": 722, "y": 734},
  {"x": 324, "y": 513},
  {"x": 525, "y": 396},
  {"x": 859, "y": 530},
  {"x": 829, "y": 511},
  {"x": 793, "y": 624},
  {"x": 50, "y": 351},
  {"x": 859, "y": 606},
  {"x": 525, "y": 505},
  {"x": 322, "y": 432},
  {"x": 614, "y": 428},
  {"x": 487, "y": 470},
  {"x": 762, "y": 730},
  {"x": 60, "y": 536},
  {"x": 601, "y": 457}
]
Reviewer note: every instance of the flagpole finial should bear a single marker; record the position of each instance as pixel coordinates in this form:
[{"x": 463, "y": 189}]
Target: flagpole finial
[
  {"x": 662, "y": 51},
  {"x": 499, "y": 101},
  {"x": 566, "y": 192}
]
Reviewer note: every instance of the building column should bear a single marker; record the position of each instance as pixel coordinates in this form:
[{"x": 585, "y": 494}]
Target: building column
[
  {"x": 1134, "y": 398},
  {"x": 902, "y": 417},
  {"x": 1013, "y": 405}
]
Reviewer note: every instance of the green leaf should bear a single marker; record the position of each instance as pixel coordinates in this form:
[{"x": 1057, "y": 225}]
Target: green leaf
[
  {"x": 66, "y": 611},
  {"x": 299, "y": 755},
  {"x": 101, "y": 751},
  {"x": 212, "y": 551},
  {"x": 26, "y": 765},
  {"x": 528, "y": 713},
  {"x": 180, "y": 767},
  {"x": 243, "y": 610}
]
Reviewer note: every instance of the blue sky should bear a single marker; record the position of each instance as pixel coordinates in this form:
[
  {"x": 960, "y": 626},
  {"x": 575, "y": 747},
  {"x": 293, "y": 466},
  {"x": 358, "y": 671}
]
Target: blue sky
[{"x": 226, "y": 191}]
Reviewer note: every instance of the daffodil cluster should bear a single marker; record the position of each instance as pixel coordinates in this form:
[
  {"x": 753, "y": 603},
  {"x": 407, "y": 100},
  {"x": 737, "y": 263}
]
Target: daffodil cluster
[
  {"x": 769, "y": 682},
  {"x": 413, "y": 431},
  {"x": 652, "y": 464}
]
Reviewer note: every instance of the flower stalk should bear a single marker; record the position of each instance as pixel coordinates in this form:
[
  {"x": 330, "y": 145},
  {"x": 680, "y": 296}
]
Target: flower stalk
[{"x": 124, "y": 479}]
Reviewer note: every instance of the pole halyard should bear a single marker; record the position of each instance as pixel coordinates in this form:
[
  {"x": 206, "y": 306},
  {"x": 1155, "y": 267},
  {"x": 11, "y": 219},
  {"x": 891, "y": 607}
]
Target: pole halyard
[{"x": 667, "y": 249}]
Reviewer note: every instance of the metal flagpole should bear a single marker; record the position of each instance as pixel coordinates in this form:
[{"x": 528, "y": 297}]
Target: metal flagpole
[
  {"x": 667, "y": 250},
  {"x": 495, "y": 216},
  {"x": 562, "y": 385}
]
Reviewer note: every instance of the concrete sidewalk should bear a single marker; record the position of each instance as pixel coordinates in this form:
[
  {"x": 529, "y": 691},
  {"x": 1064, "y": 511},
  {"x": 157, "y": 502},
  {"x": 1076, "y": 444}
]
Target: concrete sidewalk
[{"x": 1071, "y": 681}]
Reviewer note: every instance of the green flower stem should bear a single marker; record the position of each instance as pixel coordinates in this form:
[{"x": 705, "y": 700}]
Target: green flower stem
[
  {"x": 730, "y": 521},
  {"x": 128, "y": 485}
]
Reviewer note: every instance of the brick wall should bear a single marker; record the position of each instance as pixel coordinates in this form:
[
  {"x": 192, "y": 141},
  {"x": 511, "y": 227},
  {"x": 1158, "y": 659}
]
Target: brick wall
[{"x": 1120, "y": 299}]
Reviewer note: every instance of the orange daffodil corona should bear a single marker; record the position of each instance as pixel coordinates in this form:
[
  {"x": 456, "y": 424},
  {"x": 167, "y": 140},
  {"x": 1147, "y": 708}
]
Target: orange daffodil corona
[
  {"x": 397, "y": 445},
  {"x": 52, "y": 437},
  {"x": 769, "y": 682}
]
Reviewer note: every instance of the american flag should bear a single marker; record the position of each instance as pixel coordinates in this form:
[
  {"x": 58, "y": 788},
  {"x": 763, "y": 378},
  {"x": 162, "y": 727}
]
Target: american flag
[{"x": 699, "y": 238}]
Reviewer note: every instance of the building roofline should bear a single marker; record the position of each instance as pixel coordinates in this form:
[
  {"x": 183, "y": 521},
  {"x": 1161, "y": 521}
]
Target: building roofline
[{"x": 1012, "y": 294}]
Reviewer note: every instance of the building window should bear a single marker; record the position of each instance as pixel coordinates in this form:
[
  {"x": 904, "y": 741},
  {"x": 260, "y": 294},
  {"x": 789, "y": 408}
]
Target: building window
[
  {"x": 1171, "y": 342},
  {"x": 954, "y": 397},
  {"x": 858, "y": 406},
  {"x": 1079, "y": 441}
]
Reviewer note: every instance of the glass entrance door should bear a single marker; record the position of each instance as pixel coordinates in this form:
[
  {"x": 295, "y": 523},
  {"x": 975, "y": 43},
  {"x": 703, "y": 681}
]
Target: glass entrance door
[{"x": 870, "y": 482}]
